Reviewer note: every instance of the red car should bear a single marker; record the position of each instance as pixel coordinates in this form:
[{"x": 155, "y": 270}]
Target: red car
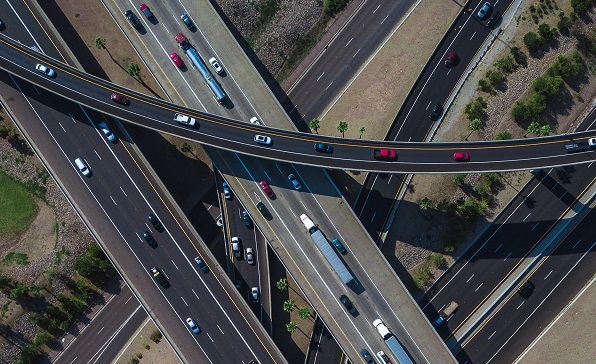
[
  {"x": 120, "y": 99},
  {"x": 451, "y": 60},
  {"x": 177, "y": 61},
  {"x": 461, "y": 156},
  {"x": 266, "y": 189}
]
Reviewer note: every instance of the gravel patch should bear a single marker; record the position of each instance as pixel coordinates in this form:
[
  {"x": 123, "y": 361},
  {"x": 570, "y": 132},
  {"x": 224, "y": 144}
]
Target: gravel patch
[{"x": 273, "y": 41}]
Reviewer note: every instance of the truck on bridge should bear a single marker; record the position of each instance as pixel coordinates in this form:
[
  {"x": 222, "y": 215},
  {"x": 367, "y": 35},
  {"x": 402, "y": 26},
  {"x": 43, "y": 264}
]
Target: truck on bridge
[
  {"x": 193, "y": 56},
  {"x": 581, "y": 146},
  {"x": 386, "y": 154},
  {"x": 317, "y": 236},
  {"x": 396, "y": 348}
]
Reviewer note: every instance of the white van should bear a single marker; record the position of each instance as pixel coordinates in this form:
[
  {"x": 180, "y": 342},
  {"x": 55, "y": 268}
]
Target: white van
[{"x": 83, "y": 167}]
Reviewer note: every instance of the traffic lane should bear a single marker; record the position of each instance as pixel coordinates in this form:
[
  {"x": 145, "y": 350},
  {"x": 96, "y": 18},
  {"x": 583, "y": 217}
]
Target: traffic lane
[
  {"x": 558, "y": 279},
  {"x": 22, "y": 24},
  {"x": 376, "y": 201},
  {"x": 264, "y": 280},
  {"x": 465, "y": 42},
  {"x": 470, "y": 282},
  {"x": 156, "y": 254},
  {"x": 108, "y": 331},
  {"x": 359, "y": 38},
  {"x": 87, "y": 202},
  {"x": 296, "y": 248},
  {"x": 416, "y": 165},
  {"x": 323, "y": 348}
]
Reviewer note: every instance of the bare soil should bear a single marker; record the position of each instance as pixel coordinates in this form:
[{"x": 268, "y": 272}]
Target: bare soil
[{"x": 160, "y": 353}]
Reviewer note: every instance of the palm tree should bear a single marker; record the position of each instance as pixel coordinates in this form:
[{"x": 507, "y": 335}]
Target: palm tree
[
  {"x": 545, "y": 130},
  {"x": 361, "y": 131},
  {"x": 100, "y": 43},
  {"x": 282, "y": 284},
  {"x": 314, "y": 125},
  {"x": 342, "y": 127},
  {"x": 292, "y": 326},
  {"x": 304, "y": 313},
  {"x": 289, "y": 306},
  {"x": 474, "y": 125},
  {"x": 133, "y": 69},
  {"x": 533, "y": 128}
]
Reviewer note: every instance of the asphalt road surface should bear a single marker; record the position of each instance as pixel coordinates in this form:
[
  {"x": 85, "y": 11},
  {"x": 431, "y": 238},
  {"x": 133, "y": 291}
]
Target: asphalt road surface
[{"x": 558, "y": 278}]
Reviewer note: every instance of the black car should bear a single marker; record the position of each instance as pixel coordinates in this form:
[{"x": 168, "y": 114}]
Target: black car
[
  {"x": 437, "y": 110},
  {"x": 348, "y": 304},
  {"x": 132, "y": 18},
  {"x": 149, "y": 239},
  {"x": 367, "y": 357},
  {"x": 526, "y": 290},
  {"x": 158, "y": 276},
  {"x": 262, "y": 209},
  {"x": 155, "y": 222},
  {"x": 494, "y": 20},
  {"x": 186, "y": 19},
  {"x": 324, "y": 148}
]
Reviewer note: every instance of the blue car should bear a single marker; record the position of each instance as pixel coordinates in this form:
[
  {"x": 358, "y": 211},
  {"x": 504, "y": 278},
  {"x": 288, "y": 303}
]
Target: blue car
[
  {"x": 193, "y": 325},
  {"x": 227, "y": 191},
  {"x": 340, "y": 248},
  {"x": 202, "y": 264},
  {"x": 246, "y": 218},
  {"x": 485, "y": 9},
  {"x": 294, "y": 181}
]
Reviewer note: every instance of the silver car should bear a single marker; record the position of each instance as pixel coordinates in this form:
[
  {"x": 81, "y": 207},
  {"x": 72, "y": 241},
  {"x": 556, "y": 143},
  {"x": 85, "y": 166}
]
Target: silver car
[
  {"x": 250, "y": 256},
  {"x": 255, "y": 294}
]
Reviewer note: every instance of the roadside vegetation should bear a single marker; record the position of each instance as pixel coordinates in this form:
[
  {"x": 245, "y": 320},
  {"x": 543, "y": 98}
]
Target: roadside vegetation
[{"x": 547, "y": 99}]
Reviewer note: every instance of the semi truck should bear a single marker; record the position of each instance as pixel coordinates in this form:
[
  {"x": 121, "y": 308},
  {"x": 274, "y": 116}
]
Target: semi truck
[
  {"x": 396, "y": 348},
  {"x": 448, "y": 311},
  {"x": 193, "y": 56},
  {"x": 386, "y": 154},
  {"x": 581, "y": 146},
  {"x": 323, "y": 244}
]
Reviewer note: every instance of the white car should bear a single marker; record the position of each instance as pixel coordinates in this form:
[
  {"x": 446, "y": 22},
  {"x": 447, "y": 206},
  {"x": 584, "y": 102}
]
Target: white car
[
  {"x": 263, "y": 139},
  {"x": 216, "y": 66},
  {"x": 45, "y": 70},
  {"x": 255, "y": 294},
  {"x": 250, "y": 256},
  {"x": 83, "y": 167},
  {"x": 103, "y": 126},
  {"x": 255, "y": 120}
]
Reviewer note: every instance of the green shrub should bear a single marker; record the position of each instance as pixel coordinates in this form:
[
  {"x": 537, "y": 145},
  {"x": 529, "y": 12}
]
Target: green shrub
[
  {"x": 475, "y": 109},
  {"x": 156, "y": 336},
  {"x": 503, "y": 135},
  {"x": 18, "y": 291},
  {"x": 506, "y": 64},
  {"x": 518, "y": 56},
  {"x": 546, "y": 32},
  {"x": 581, "y": 6},
  {"x": 547, "y": 86},
  {"x": 15, "y": 257},
  {"x": 532, "y": 41},
  {"x": 495, "y": 77},
  {"x": 459, "y": 178},
  {"x": 437, "y": 260},
  {"x": 333, "y": 7},
  {"x": 43, "y": 338},
  {"x": 520, "y": 112},
  {"x": 423, "y": 275},
  {"x": 485, "y": 86},
  {"x": 4, "y": 131}
]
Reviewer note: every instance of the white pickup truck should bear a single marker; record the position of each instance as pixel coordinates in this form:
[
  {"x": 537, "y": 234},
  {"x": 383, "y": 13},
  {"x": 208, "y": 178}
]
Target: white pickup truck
[{"x": 185, "y": 120}]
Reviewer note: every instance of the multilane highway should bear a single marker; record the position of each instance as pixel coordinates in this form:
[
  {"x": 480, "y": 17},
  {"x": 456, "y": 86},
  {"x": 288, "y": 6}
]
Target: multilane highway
[{"x": 288, "y": 146}]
